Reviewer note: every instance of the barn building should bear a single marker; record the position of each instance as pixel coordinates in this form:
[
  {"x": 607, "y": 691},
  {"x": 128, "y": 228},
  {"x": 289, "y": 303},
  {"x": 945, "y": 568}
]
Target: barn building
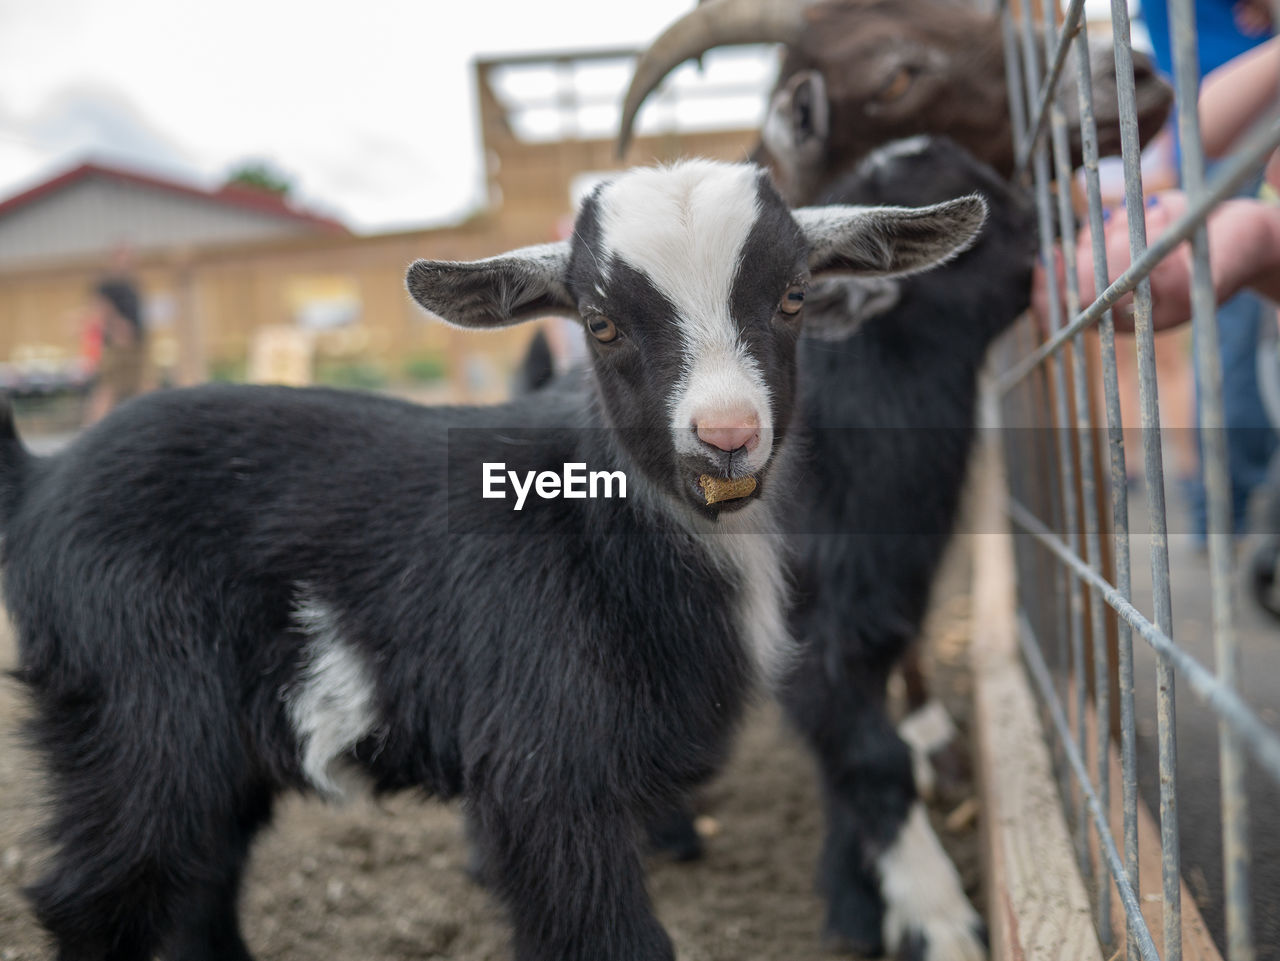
[{"x": 94, "y": 207}]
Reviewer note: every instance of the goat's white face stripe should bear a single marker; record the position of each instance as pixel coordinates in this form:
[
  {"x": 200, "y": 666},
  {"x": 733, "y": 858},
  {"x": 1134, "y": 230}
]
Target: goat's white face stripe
[{"x": 685, "y": 228}]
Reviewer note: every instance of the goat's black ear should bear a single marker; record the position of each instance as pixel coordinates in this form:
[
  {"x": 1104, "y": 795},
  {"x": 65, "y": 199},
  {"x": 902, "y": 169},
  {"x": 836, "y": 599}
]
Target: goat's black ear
[
  {"x": 888, "y": 241},
  {"x": 496, "y": 292}
]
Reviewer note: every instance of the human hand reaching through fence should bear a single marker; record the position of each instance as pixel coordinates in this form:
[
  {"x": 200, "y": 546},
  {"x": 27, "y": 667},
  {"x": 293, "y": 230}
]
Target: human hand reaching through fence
[{"x": 1244, "y": 251}]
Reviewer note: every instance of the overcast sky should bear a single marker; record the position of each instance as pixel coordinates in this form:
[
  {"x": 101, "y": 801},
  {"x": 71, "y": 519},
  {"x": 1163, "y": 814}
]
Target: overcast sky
[{"x": 368, "y": 105}]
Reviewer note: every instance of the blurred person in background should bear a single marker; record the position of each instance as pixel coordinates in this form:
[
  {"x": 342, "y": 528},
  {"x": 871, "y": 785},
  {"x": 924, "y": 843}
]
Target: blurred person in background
[
  {"x": 1227, "y": 31},
  {"x": 117, "y": 313}
]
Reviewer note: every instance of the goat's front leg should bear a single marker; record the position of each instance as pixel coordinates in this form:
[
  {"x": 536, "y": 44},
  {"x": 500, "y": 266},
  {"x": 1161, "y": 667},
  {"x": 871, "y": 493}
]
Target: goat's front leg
[
  {"x": 890, "y": 887},
  {"x": 572, "y": 880}
]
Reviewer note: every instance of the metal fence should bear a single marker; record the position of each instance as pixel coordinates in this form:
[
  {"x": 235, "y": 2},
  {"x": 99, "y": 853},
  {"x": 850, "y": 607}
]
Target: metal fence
[{"x": 1073, "y": 554}]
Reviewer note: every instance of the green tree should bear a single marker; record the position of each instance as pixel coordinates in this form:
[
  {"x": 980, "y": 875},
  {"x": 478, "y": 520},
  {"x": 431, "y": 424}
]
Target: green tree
[{"x": 263, "y": 175}]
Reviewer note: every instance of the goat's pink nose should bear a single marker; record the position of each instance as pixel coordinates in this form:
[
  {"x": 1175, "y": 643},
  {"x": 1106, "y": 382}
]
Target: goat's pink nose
[{"x": 729, "y": 431}]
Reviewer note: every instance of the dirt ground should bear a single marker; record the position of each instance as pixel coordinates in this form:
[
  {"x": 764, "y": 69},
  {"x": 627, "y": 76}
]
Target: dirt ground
[{"x": 385, "y": 882}]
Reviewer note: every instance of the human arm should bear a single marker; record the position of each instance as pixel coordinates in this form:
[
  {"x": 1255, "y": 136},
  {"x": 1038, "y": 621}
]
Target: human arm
[
  {"x": 1235, "y": 95},
  {"x": 1244, "y": 251}
]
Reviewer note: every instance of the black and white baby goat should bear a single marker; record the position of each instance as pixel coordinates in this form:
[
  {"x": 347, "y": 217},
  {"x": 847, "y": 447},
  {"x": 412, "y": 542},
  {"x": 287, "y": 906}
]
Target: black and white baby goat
[{"x": 229, "y": 592}]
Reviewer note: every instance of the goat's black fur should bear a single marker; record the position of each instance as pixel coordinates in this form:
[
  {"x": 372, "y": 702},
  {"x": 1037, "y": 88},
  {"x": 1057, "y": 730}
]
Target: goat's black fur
[{"x": 186, "y": 523}]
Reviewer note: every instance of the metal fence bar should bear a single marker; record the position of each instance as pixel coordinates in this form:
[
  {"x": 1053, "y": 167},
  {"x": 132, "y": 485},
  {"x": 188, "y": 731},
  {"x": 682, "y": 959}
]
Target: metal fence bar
[
  {"x": 1076, "y": 552},
  {"x": 1050, "y": 492},
  {"x": 1086, "y": 510},
  {"x": 1088, "y": 492},
  {"x": 1233, "y": 173},
  {"x": 1145, "y": 946},
  {"x": 1017, "y": 103},
  {"x": 1235, "y": 823},
  {"x": 1119, "y": 523},
  {"x": 1224, "y": 701},
  {"x": 1084, "y": 454},
  {"x": 1073, "y": 636},
  {"x": 1171, "y": 853},
  {"x": 1056, "y": 56}
]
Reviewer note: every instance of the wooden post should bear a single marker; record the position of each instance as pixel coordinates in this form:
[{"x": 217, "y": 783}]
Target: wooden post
[{"x": 1037, "y": 906}]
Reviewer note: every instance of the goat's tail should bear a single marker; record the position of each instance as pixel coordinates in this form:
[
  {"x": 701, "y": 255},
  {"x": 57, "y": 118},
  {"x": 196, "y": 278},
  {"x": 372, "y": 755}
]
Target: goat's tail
[{"x": 15, "y": 460}]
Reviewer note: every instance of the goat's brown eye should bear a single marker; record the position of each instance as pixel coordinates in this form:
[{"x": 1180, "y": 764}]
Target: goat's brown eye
[
  {"x": 602, "y": 328},
  {"x": 897, "y": 85},
  {"x": 792, "y": 301}
]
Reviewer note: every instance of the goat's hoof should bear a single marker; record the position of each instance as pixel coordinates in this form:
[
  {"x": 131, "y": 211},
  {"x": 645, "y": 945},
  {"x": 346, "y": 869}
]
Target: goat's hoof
[
  {"x": 680, "y": 850},
  {"x": 858, "y": 947},
  {"x": 855, "y": 922},
  {"x": 675, "y": 838},
  {"x": 943, "y": 940},
  {"x": 927, "y": 916}
]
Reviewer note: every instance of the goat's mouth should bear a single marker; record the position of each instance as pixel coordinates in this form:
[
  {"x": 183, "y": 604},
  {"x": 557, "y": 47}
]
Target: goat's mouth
[{"x": 717, "y": 482}]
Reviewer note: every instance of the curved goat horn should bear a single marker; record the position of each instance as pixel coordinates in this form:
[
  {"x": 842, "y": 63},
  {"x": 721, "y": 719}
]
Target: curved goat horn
[{"x": 717, "y": 23}]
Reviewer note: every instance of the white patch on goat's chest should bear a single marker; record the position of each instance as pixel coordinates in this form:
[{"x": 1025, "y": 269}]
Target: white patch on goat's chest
[
  {"x": 762, "y": 603},
  {"x": 331, "y": 703},
  {"x": 756, "y": 561}
]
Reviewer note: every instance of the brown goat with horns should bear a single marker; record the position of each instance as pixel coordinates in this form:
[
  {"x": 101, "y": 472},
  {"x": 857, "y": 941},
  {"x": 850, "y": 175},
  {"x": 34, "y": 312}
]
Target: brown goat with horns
[{"x": 858, "y": 74}]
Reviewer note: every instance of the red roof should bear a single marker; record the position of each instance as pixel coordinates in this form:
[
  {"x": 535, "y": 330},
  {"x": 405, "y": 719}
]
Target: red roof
[{"x": 239, "y": 196}]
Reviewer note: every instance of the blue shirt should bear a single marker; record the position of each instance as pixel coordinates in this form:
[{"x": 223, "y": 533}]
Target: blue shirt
[{"x": 1220, "y": 39}]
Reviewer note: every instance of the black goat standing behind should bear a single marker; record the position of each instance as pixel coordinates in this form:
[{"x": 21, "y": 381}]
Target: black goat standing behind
[{"x": 888, "y": 417}]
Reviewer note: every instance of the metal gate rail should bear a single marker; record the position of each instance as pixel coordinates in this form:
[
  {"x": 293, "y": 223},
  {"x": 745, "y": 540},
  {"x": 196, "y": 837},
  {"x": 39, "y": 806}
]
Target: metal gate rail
[{"x": 1070, "y": 566}]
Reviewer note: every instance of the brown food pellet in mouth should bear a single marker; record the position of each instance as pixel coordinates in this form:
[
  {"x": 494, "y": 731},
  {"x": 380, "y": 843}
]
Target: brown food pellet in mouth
[{"x": 716, "y": 489}]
